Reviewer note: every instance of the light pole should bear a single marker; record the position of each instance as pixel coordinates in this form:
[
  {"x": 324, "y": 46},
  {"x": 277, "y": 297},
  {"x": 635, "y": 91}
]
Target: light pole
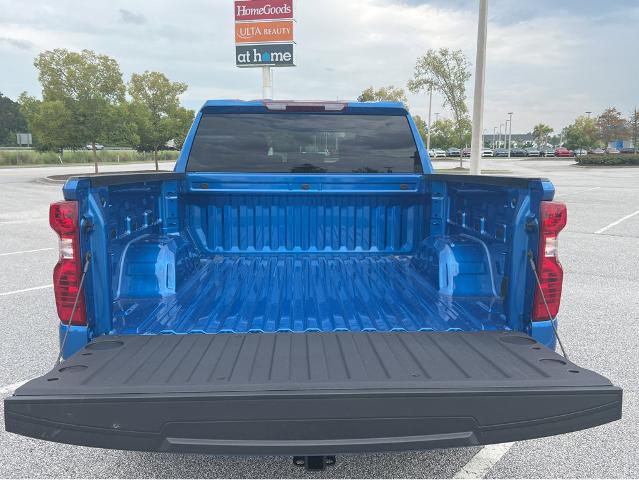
[
  {"x": 430, "y": 108},
  {"x": 480, "y": 81},
  {"x": 506, "y": 134},
  {"x": 501, "y": 125},
  {"x": 436, "y": 120},
  {"x": 494, "y": 136},
  {"x": 587, "y": 113},
  {"x": 510, "y": 131}
]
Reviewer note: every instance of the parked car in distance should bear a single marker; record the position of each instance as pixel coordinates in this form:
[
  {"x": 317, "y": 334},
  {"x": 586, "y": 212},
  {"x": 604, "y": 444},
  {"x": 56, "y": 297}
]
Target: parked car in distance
[
  {"x": 612, "y": 150},
  {"x": 453, "y": 152},
  {"x": 532, "y": 152},
  {"x": 437, "y": 153},
  {"x": 546, "y": 152},
  {"x": 563, "y": 152},
  {"x": 465, "y": 152},
  {"x": 500, "y": 152},
  {"x": 517, "y": 152},
  {"x": 597, "y": 151},
  {"x": 486, "y": 152},
  {"x": 580, "y": 152},
  {"x": 97, "y": 146},
  {"x": 628, "y": 150}
]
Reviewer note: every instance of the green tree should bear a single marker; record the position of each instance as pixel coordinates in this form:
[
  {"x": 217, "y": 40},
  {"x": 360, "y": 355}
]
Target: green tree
[
  {"x": 443, "y": 134},
  {"x": 383, "y": 94},
  {"x": 581, "y": 134},
  {"x": 540, "y": 134},
  {"x": 12, "y": 120},
  {"x": 91, "y": 88},
  {"x": 446, "y": 71},
  {"x": 157, "y": 110},
  {"x": 125, "y": 127},
  {"x": 611, "y": 125},
  {"x": 48, "y": 121}
]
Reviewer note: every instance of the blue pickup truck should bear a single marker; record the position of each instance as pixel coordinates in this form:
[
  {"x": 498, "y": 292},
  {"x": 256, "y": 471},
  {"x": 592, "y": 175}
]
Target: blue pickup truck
[{"x": 303, "y": 284}]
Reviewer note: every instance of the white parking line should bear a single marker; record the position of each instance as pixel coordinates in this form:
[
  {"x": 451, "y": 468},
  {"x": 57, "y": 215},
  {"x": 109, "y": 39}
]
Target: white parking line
[
  {"x": 578, "y": 192},
  {"x": 9, "y": 389},
  {"x": 28, "y": 220},
  {"x": 26, "y": 251},
  {"x": 483, "y": 461},
  {"x": 601, "y": 230},
  {"x": 25, "y": 290}
]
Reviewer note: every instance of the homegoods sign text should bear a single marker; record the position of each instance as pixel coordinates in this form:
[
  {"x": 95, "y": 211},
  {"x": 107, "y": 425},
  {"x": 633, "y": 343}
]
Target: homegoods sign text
[{"x": 263, "y": 10}]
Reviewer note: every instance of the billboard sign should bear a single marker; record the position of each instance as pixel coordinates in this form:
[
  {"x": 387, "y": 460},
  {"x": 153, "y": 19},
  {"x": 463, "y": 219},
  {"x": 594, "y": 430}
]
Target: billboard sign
[
  {"x": 250, "y": 10},
  {"x": 275, "y": 55},
  {"x": 264, "y": 32},
  {"x": 24, "y": 139}
]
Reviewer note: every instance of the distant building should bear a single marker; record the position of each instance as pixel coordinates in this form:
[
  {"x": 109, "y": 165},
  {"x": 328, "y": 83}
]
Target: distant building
[{"x": 619, "y": 144}]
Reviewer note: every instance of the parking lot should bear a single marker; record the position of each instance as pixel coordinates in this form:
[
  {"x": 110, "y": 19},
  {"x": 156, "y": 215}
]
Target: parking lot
[{"x": 599, "y": 324}]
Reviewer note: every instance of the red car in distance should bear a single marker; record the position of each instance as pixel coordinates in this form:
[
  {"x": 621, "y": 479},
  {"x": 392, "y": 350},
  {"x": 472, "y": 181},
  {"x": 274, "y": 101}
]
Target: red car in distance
[{"x": 563, "y": 152}]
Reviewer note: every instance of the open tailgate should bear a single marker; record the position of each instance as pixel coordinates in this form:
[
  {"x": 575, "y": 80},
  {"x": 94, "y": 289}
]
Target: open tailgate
[{"x": 310, "y": 393}]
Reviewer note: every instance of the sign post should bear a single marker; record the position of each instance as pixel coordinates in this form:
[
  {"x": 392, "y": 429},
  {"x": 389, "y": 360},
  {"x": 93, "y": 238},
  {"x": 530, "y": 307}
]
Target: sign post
[
  {"x": 267, "y": 83},
  {"x": 264, "y": 37}
]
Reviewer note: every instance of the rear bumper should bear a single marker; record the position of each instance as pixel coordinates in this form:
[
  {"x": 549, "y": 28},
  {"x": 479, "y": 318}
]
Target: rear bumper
[{"x": 325, "y": 423}]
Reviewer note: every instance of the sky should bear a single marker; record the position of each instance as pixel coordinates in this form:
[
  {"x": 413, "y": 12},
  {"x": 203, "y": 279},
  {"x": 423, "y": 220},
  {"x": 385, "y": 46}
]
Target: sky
[{"x": 547, "y": 60}]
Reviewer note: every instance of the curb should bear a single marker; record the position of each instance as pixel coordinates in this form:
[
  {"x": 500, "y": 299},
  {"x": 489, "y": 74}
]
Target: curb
[{"x": 53, "y": 179}]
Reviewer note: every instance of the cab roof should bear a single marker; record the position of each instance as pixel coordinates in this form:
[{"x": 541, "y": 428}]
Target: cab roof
[{"x": 299, "y": 106}]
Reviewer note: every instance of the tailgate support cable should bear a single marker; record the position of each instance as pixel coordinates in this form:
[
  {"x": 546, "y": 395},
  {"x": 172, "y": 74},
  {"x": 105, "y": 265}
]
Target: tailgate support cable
[
  {"x": 87, "y": 259},
  {"x": 543, "y": 297}
]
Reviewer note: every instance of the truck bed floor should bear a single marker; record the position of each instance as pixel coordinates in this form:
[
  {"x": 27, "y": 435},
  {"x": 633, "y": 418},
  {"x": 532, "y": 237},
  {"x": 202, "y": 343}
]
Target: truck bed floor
[{"x": 302, "y": 293}]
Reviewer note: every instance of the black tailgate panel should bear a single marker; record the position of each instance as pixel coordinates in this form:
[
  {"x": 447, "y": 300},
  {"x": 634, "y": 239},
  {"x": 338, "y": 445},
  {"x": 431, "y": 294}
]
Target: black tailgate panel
[{"x": 310, "y": 393}]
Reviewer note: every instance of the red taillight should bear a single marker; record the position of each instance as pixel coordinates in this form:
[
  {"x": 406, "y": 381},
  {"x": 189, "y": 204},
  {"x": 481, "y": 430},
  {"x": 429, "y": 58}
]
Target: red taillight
[
  {"x": 64, "y": 220},
  {"x": 551, "y": 276}
]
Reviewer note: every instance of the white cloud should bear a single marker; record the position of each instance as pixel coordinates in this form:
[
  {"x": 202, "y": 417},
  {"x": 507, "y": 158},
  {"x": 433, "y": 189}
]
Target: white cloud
[{"x": 545, "y": 67}]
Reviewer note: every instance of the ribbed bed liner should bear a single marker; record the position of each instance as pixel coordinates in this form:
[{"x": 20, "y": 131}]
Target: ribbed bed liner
[
  {"x": 310, "y": 393},
  {"x": 314, "y": 361},
  {"x": 297, "y": 293}
]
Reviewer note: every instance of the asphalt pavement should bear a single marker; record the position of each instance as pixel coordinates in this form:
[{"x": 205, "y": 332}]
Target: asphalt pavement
[{"x": 599, "y": 326}]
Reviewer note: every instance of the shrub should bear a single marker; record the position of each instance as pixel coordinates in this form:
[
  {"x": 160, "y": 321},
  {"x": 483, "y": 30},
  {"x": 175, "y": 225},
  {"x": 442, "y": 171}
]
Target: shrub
[
  {"x": 609, "y": 159},
  {"x": 33, "y": 157}
]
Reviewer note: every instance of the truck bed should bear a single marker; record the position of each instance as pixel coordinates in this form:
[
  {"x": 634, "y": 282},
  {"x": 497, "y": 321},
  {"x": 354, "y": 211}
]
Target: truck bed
[{"x": 304, "y": 293}]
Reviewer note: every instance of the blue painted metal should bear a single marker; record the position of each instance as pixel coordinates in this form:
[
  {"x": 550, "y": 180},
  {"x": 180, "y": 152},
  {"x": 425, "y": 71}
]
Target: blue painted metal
[
  {"x": 332, "y": 252},
  {"x": 460, "y": 265},
  {"x": 155, "y": 266},
  {"x": 268, "y": 293},
  {"x": 312, "y": 221},
  {"x": 180, "y": 164},
  {"x": 274, "y": 184},
  {"x": 427, "y": 166},
  {"x": 224, "y": 252},
  {"x": 544, "y": 334},
  {"x": 76, "y": 339}
]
